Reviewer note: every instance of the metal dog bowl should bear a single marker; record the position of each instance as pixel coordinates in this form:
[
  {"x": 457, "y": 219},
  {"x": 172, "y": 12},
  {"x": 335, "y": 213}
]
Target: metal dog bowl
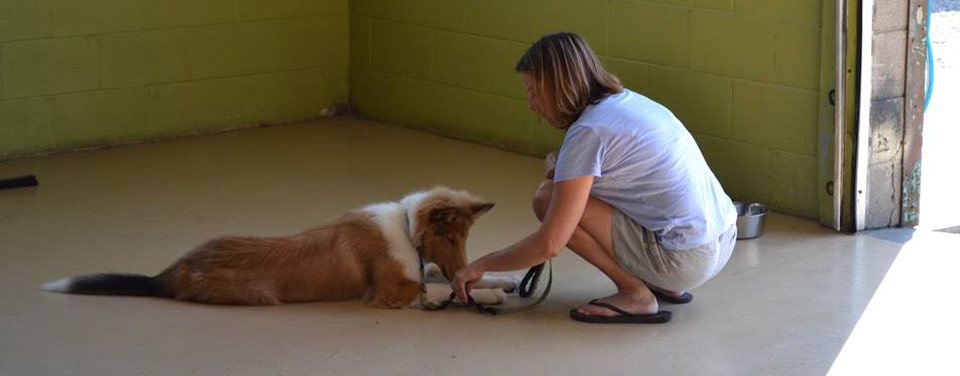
[{"x": 750, "y": 217}]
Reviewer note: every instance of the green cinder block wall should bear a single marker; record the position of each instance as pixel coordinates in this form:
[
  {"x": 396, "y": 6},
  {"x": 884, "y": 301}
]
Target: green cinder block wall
[
  {"x": 743, "y": 75},
  {"x": 75, "y": 74}
]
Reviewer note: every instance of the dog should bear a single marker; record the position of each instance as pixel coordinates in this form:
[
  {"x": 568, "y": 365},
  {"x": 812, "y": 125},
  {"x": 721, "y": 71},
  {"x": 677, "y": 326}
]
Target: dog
[{"x": 391, "y": 254}]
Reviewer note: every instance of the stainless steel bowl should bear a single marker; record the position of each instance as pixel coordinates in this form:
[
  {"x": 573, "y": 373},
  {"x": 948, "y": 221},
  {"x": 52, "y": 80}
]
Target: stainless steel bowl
[{"x": 750, "y": 216}]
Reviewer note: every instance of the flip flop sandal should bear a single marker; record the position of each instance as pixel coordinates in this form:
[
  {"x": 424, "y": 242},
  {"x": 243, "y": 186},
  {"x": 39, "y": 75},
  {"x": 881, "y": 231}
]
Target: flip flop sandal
[
  {"x": 682, "y": 299},
  {"x": 624, "y": 317}
]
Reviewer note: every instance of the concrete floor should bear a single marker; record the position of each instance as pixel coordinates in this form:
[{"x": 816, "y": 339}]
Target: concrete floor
[
  {"x": 783, "y": 306},
  {"x": 910, "y": 326}
]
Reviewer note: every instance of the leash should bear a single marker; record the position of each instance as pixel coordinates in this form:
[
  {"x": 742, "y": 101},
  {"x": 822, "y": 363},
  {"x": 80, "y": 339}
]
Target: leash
[
  {"x": 530, "y": 280},
  {"x": 528, "y": 285},
  {"x": 526, "y": 289}
]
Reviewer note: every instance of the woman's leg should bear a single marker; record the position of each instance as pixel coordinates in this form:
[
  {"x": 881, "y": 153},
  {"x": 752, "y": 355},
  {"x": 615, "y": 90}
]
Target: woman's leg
[{"x": 592, "y": 240}]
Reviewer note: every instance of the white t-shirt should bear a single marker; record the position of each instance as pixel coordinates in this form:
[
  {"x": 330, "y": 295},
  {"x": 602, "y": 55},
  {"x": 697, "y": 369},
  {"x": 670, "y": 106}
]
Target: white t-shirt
[{"x": 649, "y": 167}]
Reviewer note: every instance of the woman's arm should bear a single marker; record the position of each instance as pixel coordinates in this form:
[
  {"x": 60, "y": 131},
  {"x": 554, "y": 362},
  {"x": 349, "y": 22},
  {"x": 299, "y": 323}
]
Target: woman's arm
[{"x": 566, "y": 207}]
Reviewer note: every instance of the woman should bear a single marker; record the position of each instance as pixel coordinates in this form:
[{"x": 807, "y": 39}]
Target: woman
[{"x": 630, "y": 191}]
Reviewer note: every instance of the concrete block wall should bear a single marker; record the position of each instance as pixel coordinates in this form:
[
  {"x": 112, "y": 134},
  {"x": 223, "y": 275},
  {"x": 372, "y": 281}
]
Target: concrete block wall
[
  {"x": 743, "y": 75},
  {"x": 887, "y": 113},
  {"x": 95, "y": 72}
]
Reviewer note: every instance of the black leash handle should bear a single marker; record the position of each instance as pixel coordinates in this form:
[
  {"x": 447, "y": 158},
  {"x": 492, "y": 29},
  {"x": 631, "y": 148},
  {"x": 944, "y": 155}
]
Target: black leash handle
[
  {"x": 529, "y": 282},
  {"x": 528, "y": 285}
]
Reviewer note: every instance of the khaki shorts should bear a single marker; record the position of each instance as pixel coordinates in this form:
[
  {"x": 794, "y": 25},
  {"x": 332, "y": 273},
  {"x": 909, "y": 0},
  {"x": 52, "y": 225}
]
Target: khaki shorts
[{"x": 639, "y": 252}]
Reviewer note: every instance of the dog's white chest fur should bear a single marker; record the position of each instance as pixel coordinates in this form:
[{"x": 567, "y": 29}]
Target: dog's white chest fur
[{"x": 392, "y": 220}]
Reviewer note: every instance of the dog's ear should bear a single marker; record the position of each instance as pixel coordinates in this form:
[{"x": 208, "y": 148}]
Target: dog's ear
[
  {"x": 444, "y": 215},
  {"x": 478, "y": 209}
]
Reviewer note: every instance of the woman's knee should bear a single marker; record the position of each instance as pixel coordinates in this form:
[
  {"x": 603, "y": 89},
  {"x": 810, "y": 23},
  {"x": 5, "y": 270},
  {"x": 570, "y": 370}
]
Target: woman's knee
[{"x": 541, "y": 199}]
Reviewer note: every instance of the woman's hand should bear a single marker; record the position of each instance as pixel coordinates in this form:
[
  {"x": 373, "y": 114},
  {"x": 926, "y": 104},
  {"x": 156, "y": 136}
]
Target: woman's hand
[{"x": 464, "y": 279}]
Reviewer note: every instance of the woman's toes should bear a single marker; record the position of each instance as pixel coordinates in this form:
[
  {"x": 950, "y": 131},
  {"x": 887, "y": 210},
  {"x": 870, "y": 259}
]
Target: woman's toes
[{"x": 592, "y": 310}]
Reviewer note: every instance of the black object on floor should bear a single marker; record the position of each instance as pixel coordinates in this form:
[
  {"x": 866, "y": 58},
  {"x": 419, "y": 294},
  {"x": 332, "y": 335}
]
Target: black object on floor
[{"x": 19, "y": 182}]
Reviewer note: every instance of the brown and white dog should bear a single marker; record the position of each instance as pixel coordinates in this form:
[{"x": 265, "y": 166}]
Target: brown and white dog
[{"x": 372, "y": 253}]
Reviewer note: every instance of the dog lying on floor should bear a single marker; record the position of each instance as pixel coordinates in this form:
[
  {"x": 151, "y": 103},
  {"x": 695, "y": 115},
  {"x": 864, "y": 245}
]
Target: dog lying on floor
[{"x": 378, "y": 253}]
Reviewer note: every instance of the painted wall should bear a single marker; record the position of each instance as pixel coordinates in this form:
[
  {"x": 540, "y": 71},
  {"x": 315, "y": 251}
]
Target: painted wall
[
  {"x": 742, "y": 75},
  {"x": 95, "y": 72}
]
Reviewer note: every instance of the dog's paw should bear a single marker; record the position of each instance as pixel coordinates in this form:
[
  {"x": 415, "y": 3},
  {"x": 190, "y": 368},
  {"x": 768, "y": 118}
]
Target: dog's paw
[
  {"x": 432, "y": 273},
  {"x": 508, "y": 284},
  {"x": 488, "y": 296}
]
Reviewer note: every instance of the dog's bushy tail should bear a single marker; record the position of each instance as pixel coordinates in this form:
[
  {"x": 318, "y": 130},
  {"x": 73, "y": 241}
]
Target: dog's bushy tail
[{"x": 108, "y": 284}]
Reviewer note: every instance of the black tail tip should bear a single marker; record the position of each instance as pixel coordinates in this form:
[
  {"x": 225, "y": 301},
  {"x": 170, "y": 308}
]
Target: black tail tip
[{"x": 107, "y": 284}]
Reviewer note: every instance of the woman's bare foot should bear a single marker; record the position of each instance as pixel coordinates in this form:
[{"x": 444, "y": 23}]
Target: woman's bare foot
[{"x": 638, "y": 303}]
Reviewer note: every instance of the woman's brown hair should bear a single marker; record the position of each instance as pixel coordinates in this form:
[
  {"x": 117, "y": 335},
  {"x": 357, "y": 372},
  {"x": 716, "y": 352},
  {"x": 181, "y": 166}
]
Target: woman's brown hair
[{"x": 568, "y": 73}]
